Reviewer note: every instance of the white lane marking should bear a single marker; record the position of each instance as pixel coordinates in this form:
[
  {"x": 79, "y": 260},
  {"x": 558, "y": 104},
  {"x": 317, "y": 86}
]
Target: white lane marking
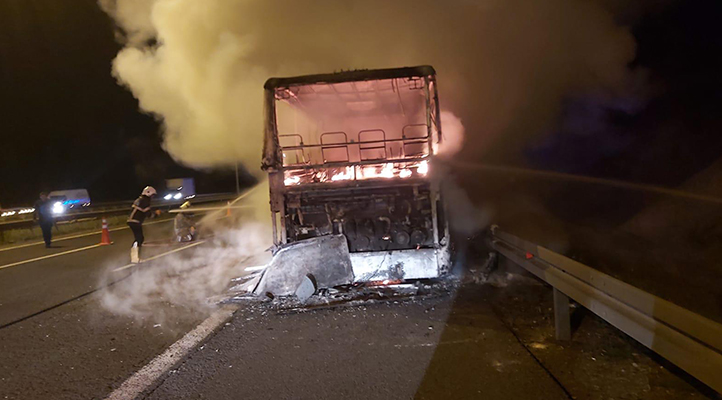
[
  {"x": 49, "y": 256},
  {"x": 148, "y": 375},
  {"x": 60, "y": 239},
  {"x": 160, "y": 255},
  {"x": 94, "y": 246}
]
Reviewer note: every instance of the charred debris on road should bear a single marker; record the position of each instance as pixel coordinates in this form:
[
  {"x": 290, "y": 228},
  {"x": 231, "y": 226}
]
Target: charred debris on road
[{"x": 316, "y": 273}]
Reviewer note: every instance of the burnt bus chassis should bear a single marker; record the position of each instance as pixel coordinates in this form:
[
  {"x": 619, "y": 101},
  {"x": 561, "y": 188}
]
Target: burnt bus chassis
[{"x": 396, "y": 229}]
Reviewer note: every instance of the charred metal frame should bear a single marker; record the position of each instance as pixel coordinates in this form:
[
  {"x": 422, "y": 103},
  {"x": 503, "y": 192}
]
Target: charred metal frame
[
  {"x": 323, "y": 146},
  {"x": 423, "y": 78}
]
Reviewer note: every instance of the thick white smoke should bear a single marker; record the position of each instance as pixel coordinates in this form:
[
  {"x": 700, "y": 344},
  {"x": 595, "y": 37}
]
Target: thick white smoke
[
  {"x": 189, "y": 280},
  {"x": 503, "y": 65}
]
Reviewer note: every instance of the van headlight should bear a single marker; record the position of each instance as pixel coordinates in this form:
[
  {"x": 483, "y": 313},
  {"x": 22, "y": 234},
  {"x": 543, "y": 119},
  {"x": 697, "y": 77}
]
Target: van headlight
[{"x": 58, "y": 208}]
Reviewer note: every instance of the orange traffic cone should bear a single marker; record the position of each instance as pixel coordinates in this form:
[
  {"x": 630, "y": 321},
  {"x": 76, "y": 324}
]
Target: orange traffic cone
[
  {"x": 228, "y": 210},
  {"x": 105, "y": 235}
]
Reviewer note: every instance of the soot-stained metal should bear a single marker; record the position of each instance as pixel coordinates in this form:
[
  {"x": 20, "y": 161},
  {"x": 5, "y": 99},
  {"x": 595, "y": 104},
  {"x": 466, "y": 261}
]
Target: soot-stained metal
[{"x": 348, "y": 154}]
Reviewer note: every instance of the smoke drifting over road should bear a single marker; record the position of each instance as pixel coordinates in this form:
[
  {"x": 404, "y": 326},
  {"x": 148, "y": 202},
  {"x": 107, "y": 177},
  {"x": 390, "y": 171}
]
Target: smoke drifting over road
[
  {"x": 504, "y": 66},
  {"x": 190, "y": 279}
]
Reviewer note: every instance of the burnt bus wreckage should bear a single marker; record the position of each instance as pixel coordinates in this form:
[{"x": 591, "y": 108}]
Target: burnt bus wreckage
[{"x": 348, "y": 157}]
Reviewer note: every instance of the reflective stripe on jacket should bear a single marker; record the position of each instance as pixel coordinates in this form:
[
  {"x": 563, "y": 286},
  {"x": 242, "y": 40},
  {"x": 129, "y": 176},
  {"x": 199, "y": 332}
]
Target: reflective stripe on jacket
[{"x": 141, "y": 209}]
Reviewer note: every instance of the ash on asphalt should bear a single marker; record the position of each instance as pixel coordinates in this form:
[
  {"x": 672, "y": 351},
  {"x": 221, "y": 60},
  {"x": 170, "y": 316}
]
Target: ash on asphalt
[
  {"x": 421, "y": 347},
  {"x": 493, "y": 340},
  {"x": 343, "y": 296}
]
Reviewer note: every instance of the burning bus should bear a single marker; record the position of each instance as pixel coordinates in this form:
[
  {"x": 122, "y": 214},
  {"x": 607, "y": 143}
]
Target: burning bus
[{"x": 348, "y": 155}]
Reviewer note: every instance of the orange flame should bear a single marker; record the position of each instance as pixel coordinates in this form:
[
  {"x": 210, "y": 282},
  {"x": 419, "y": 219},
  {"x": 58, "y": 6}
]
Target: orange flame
[{"x": 360, "y": 172}]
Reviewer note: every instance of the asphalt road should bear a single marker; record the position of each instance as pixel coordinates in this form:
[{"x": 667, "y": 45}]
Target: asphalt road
[
  {"x": 428, "y": 349},
  {"x": 78, "y": 349},
  {"x": 28, "y": 288},
  {"x": 481, "y": 342},
  {"x": 60, "y": 340}
]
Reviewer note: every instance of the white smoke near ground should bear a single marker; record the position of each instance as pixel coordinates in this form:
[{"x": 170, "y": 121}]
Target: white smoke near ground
[
  {"x": 465, "y": 218},
  {"x": 503, "y": 66},
  {"x": 191, "y": 280}
]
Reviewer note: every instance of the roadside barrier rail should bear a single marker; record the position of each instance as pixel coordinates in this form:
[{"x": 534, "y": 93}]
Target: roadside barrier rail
[
  {"x": 688, "y": 340},
  {"x": 109, "y": 209}
]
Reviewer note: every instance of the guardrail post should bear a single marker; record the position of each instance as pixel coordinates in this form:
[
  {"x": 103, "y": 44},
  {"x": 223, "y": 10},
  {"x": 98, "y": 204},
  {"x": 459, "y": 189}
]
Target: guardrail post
[
  {"x": 562, "y": 321},
  {"x": 687, "y": 339}
]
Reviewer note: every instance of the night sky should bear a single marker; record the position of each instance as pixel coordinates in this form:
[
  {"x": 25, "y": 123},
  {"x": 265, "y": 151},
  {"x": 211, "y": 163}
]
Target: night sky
[
  {"x": 673, "y": 129},
  {"x": 66, "y": 123}
]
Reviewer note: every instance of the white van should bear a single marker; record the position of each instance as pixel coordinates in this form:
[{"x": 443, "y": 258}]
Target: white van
[{"x": 64, "y": 200}]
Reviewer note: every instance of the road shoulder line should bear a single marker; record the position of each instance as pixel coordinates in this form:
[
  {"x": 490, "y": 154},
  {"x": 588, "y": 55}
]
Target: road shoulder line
[
  {"x": 160, "y": 255},
  {"x": 49, "y": 256},
  {"x": 142, "y": 380},
  {"x": 60, "y": 239}
]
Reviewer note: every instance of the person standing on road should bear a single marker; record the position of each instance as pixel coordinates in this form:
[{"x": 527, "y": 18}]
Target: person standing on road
[
  {"x": 44, "y": 216},
  {"x": 141, "y": 209},
  {"x": 183, "y": 225}
]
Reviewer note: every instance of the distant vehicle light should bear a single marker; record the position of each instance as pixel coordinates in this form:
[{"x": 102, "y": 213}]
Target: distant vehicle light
[
  {"x": 168, "y": 196},
  {"x": 177, "y": 196},
  {"x": 58, "y": 208}
]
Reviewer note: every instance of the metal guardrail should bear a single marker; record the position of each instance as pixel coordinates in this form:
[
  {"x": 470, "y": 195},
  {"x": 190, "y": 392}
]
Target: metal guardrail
[
  {"x": 689, "y": 340},
  {"x": 114, "y": 208}
]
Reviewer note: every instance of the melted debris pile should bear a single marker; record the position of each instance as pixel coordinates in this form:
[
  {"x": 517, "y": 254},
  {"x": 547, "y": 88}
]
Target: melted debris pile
[
  {"x": 309, "y": 296},
  {"x": 317, "y": 272}
]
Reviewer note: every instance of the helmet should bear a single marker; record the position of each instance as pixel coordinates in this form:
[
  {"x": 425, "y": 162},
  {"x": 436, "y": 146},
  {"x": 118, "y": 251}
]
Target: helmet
[
  {"x": 185, "y": 205},
  {"x": 149, "y": 191}
]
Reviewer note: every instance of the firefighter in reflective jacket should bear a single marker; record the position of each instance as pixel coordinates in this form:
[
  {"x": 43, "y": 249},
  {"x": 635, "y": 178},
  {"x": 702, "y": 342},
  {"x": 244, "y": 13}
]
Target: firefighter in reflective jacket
[{"x": 141, "y": 209}]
